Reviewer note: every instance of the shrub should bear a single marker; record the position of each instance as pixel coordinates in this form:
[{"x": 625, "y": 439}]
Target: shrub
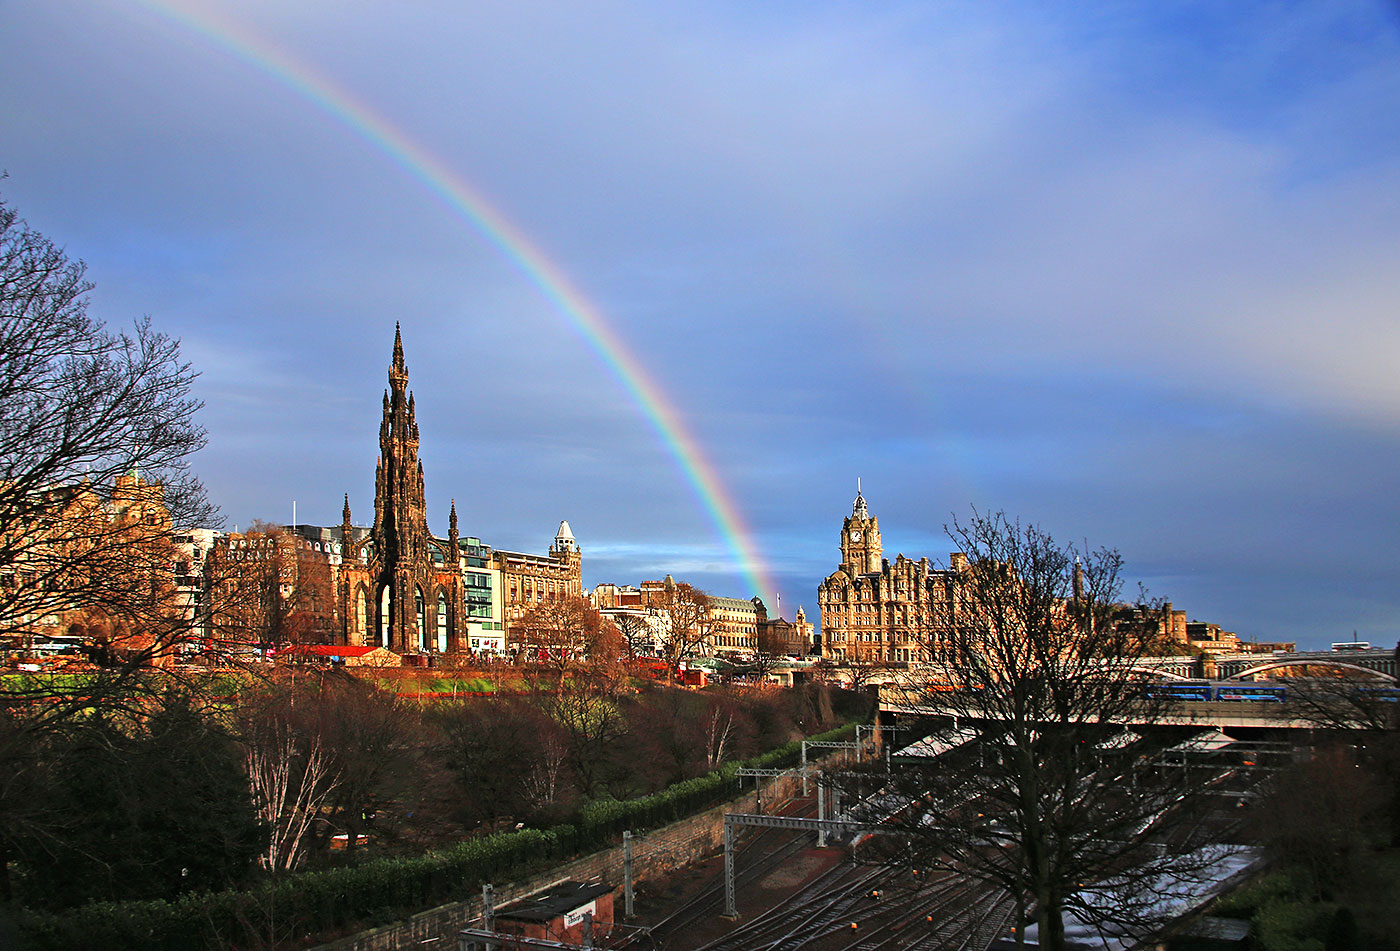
[{"x": 378, "y": 890}]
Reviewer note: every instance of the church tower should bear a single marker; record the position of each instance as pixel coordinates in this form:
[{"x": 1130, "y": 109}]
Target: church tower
[{"x": 861, "y": 550}]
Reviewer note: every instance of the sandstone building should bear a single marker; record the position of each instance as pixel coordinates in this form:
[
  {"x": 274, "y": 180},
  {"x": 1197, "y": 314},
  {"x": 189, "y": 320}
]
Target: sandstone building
[
  {"x": 101, "y": 570},
  {"x": 873, "y": 611},
  {"x": 400, "y": 586},
  {"x": 527, "y": 580},
  {"x": 396, "y": 584},
  {"x": 732, "y": 625},
  {"x": 797, "y": 637}
]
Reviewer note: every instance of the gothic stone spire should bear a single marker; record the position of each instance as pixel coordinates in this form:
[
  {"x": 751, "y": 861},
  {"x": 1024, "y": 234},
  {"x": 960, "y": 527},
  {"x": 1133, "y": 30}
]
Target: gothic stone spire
[
  {"x": 401, "y": 542},
  {"x": 398, "y": 368},
  {"x": 400, "y": 509}
]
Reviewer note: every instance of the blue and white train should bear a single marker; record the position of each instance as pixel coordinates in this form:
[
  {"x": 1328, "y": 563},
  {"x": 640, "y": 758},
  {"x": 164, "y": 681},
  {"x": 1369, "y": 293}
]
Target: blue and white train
[{"x": 1249, "y": 692}]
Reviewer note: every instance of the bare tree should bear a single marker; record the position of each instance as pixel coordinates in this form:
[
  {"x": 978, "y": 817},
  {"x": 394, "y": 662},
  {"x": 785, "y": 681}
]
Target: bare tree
[
  {"x": 1319, "y": 816},
  {"x": 1361, "y": 707},
  {"x": 1030, "y": 674},
  {"x": 1335, "y": 700},
  {"x": 685, "y": 625},
  {"x": 544, "y": 780},
  {"x": 85, "y": 414},
  {"x": 507, "y": 758},
  {"x": 97, "y": 429},
  {"x": 587, "y": 703},
  {"x": 636, "y": 633},
  {"x": 290, "y": 774},
  {"x": 566, "y": 634},
  {"x": 371, "y": 739},
  {"x": 768, "y": 646},
  {"x": 718, "y": 727},
  {"x": 594, "y": 722},
  {"x": 268, "y": 591}
]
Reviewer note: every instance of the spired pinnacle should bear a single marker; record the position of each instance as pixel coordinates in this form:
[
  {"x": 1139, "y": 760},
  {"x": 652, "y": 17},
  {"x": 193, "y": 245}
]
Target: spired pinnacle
[
  {"x": 345, "y": 513},
  {"x": 398, "y": 369},
  {"x": 398, "y": 348}
]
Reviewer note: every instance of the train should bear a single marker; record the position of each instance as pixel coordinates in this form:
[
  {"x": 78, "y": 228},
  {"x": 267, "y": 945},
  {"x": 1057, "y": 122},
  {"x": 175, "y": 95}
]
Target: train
[
  {"x": 1250, "y": 692},
  {"x": 1202, "y": 690}
]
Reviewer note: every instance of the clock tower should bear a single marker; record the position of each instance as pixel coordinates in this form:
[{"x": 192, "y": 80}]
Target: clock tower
[{"x": 861, "y": 551}]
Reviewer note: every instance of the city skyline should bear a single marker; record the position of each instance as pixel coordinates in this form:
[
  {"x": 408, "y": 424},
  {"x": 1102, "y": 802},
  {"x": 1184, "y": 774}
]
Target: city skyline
[{"x": 1124, "y": 273}]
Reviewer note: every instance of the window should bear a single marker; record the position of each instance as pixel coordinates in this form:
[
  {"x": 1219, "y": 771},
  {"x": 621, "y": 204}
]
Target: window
[
  {"x": 442, "y": 624},
  {"x": 418, "y": 614}
]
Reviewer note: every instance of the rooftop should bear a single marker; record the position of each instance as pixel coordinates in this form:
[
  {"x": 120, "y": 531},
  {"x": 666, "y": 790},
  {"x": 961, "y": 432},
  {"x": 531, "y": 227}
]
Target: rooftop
[{"x": 555, "y": 902}]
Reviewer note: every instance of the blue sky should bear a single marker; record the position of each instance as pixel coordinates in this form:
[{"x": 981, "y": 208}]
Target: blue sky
[{"x": 1129, "y": 271}]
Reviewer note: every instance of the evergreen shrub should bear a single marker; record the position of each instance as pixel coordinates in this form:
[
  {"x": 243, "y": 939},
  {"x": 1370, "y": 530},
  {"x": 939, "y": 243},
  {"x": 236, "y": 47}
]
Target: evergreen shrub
[{"x": 382, "y": 889}]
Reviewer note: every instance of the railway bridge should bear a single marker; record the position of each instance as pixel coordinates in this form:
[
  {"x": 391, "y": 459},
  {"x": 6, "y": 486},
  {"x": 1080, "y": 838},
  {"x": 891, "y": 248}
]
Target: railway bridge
[
  {"x": 1378, "y": 662},
  {"x": 1222, "y": 715},
  {"x": 901, "y": 694},
  {"x": 1381, "y": 663}
]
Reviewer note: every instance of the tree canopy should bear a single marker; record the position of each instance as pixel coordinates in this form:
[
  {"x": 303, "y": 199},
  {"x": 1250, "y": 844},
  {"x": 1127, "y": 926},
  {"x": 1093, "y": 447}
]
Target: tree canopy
[{"x": 1030, "y": 782}]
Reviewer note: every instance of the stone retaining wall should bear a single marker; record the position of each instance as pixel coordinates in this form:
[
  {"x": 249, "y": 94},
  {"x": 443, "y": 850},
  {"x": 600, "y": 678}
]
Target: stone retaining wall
[{"x": 663, "y": 850}]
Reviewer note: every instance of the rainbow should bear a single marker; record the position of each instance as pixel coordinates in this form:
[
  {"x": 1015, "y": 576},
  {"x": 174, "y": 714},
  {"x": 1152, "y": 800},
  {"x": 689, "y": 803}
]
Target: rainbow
[{"x": 470, "y": 205}]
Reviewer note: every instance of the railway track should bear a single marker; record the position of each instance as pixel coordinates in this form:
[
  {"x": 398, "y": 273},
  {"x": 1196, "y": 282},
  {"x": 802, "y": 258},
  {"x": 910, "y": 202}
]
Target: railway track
[
  {"x": 763, "y": 852},
  {"x": 863, "y": 908}
]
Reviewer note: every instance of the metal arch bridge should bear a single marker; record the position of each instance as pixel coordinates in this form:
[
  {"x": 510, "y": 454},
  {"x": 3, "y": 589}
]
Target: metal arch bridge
[{"x": 1379, "y": 662}]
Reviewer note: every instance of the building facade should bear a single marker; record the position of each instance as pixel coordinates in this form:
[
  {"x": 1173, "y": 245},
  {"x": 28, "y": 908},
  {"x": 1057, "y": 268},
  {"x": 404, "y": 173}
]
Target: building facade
[
  {"x": 393, "y": 584},
  {"x": 268, "y": 588},
  {"x": 796, "y": 637},
  {"x": 485, "y": 615},
  {"x": 527, "y": 580},
  {"x": 101, "y": 571},
  {"x": 873, "y": 611},
  {"x": 734, "y": 625}
]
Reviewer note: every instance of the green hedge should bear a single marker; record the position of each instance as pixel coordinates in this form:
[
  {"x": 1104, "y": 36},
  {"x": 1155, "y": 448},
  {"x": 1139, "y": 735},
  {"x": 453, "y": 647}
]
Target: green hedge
[
  {"x": 304, "y": 903},
  {"x": 604, "y": 820},
  {"x": 381, "y": 890}
]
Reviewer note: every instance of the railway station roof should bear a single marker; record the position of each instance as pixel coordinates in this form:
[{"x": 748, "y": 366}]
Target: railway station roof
[{"x": 938, "y": 744}]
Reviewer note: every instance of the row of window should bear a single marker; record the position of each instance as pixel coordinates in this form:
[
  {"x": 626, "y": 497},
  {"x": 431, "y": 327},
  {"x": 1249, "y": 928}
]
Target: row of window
[{"x": 536, "y": 590}]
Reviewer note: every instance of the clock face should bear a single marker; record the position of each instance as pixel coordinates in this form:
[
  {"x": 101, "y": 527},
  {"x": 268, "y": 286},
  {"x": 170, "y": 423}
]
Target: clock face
[{"x": 855, "y": 535}]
